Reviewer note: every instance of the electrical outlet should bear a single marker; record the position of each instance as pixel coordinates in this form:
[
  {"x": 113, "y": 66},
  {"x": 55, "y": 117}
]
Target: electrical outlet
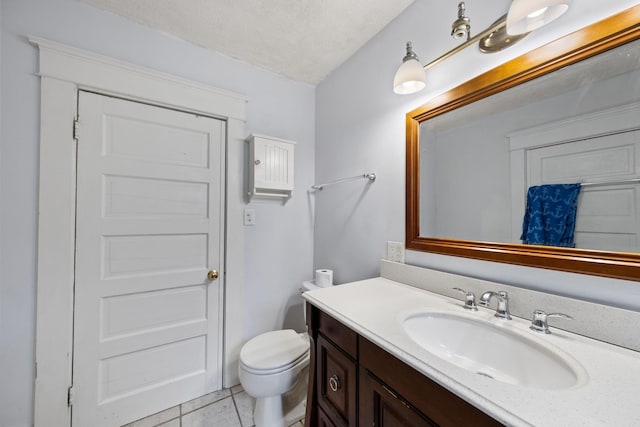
[
  {"x": 249, "y": 217},
  {"x": 395, "y": 251}
]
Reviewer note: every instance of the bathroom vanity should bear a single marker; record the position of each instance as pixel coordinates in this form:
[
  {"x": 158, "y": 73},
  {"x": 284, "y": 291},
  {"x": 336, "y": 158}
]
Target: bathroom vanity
[
  {"x": 373, "y": 364},
  {"x": 359, "y": 383}
]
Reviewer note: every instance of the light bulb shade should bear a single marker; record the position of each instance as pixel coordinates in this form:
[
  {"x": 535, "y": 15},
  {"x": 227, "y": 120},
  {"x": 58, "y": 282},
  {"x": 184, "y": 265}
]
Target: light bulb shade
[
  {"x": 409, "y": 78},
  {"x": 527, "y": 15}
]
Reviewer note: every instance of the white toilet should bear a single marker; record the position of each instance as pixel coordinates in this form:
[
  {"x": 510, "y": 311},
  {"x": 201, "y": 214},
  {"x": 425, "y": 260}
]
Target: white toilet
[{"x": 271, "y": 365}]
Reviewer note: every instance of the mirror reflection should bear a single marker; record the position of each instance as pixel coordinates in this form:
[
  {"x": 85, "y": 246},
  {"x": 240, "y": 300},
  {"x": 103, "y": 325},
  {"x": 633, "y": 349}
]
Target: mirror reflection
[{"x": 580, "y": 124}]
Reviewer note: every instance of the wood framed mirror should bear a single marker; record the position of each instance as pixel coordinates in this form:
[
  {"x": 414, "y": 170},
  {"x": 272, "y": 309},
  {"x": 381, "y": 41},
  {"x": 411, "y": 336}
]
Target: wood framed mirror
[{"x": 608, "y": 34}]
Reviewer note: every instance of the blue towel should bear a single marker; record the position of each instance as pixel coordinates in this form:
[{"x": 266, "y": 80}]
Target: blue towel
[{"x": 550, "y": 216}]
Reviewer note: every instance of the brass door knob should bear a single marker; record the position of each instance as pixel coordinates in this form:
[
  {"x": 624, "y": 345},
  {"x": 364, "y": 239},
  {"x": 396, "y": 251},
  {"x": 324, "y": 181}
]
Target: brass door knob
[{"x": 212, "y": 275}]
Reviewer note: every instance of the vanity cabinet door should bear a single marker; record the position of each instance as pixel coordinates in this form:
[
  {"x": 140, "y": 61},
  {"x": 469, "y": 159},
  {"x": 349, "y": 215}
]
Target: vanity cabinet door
[
  {"x": 337, "y": 382},
  {"x": 379, "y": 406},
  {"x": 324, "y": 420},
  {"x": 435, "y": 402}
]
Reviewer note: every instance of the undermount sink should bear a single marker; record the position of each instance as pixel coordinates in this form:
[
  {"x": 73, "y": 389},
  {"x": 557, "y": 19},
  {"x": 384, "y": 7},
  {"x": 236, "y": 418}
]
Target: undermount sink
[{"x": 494, "y": 352}]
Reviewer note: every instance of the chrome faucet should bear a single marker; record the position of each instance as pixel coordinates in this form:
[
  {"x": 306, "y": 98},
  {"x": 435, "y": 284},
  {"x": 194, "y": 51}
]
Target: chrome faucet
[
  {"x": 503, "y": 303},
  {"x": 469, "y": 299}
]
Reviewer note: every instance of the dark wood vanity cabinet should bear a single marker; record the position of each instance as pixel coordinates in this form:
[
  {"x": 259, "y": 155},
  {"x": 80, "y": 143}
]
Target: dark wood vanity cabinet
[
  {"x": 337, "y": 383},
  {"x": 336, "y": 371},
  {"x": 382, "y": 407},
  {"x": 353, "y": 382}
]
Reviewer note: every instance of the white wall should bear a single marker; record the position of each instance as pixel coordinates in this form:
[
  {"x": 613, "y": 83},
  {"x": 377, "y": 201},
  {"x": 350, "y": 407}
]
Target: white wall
[
  {"x": 360, "y": 126},
  {"x": 278, "y": 249}
]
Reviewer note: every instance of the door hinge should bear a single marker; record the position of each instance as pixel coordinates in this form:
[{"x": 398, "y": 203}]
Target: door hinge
[
  {"x": 76, "y": 129},
  {"x": 70, "y": 396}
]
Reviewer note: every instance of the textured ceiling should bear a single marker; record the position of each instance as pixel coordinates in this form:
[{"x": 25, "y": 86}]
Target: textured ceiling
[{"x": 301, "y": 39}]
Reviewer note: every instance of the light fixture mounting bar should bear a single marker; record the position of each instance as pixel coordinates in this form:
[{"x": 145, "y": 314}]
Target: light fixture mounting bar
[{"x": 493, "y": 28}]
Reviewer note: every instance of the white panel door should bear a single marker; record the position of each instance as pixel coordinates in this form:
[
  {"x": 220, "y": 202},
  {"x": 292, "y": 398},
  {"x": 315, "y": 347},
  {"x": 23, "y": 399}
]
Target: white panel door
[
  {"x": 608, "y": 215},
  {"x": 147, "y": 321}
]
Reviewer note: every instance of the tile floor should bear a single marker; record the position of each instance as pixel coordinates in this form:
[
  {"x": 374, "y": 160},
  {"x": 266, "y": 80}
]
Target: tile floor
[{"x": 225, "y": 408}]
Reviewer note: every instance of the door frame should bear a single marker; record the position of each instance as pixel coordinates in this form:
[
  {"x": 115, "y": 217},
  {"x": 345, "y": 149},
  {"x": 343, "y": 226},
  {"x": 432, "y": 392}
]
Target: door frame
[
  {"x": 63, "y": 71},
  {"x": 603, "y": 122}
]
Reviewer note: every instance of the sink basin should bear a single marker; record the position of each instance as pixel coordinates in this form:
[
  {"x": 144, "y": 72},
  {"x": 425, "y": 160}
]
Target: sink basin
[{"x": 494, "y": 352}]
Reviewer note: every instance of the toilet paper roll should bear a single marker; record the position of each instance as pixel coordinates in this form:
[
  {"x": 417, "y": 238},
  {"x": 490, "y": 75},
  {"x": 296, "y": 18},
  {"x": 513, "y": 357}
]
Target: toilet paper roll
[{"x": 324, "y": 278}]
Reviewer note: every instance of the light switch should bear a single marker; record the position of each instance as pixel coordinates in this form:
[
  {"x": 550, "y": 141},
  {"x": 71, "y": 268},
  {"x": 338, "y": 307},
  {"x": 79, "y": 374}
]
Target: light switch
[{"x": 249, "y": 217}]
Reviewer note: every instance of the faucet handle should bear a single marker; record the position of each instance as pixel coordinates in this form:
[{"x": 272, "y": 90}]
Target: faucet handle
[
  {"x": 469, "y": 299},
  {"x": 539, "y": 321}
]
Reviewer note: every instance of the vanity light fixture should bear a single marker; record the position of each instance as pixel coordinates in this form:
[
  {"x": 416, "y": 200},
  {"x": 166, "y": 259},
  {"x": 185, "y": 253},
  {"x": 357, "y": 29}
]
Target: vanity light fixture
[
  {"x": 526, "y": 15},
  {"x": 410, "y": 76},
  {"x": 523, "y": 17}
]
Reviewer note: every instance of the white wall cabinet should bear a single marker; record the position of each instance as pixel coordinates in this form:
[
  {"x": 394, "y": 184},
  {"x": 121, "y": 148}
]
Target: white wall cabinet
[{"x": 270, "y": 167}]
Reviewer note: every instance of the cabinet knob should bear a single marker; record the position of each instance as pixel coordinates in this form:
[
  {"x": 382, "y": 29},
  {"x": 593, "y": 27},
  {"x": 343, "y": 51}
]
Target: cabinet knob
[
  {"x": 256, "y": 162},
  {"x": 334, "y": 383}
]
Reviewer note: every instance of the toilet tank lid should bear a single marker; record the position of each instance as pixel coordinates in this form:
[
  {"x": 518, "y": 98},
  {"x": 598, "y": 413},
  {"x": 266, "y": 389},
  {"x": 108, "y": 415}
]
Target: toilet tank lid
[{"x": 274, "y": 349}]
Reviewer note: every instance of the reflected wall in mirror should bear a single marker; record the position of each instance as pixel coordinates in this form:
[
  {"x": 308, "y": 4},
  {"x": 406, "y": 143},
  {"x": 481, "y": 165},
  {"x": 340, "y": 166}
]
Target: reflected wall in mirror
[
  {"x": 473, "y": 153},
  {"x": 577, "y": 124}
]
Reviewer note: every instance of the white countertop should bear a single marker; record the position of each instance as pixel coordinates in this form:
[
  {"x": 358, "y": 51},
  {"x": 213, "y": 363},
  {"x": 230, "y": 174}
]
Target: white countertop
[{"x": 375, "y": 309}]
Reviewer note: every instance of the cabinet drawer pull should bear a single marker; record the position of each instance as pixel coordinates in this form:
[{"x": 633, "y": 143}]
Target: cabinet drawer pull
[{"x": 334, "y": 383}]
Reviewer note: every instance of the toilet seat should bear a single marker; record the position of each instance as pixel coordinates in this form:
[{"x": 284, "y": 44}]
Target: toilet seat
[
  {"x": 274, "y": 352},
  {"x": 270, "y": 372}
]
